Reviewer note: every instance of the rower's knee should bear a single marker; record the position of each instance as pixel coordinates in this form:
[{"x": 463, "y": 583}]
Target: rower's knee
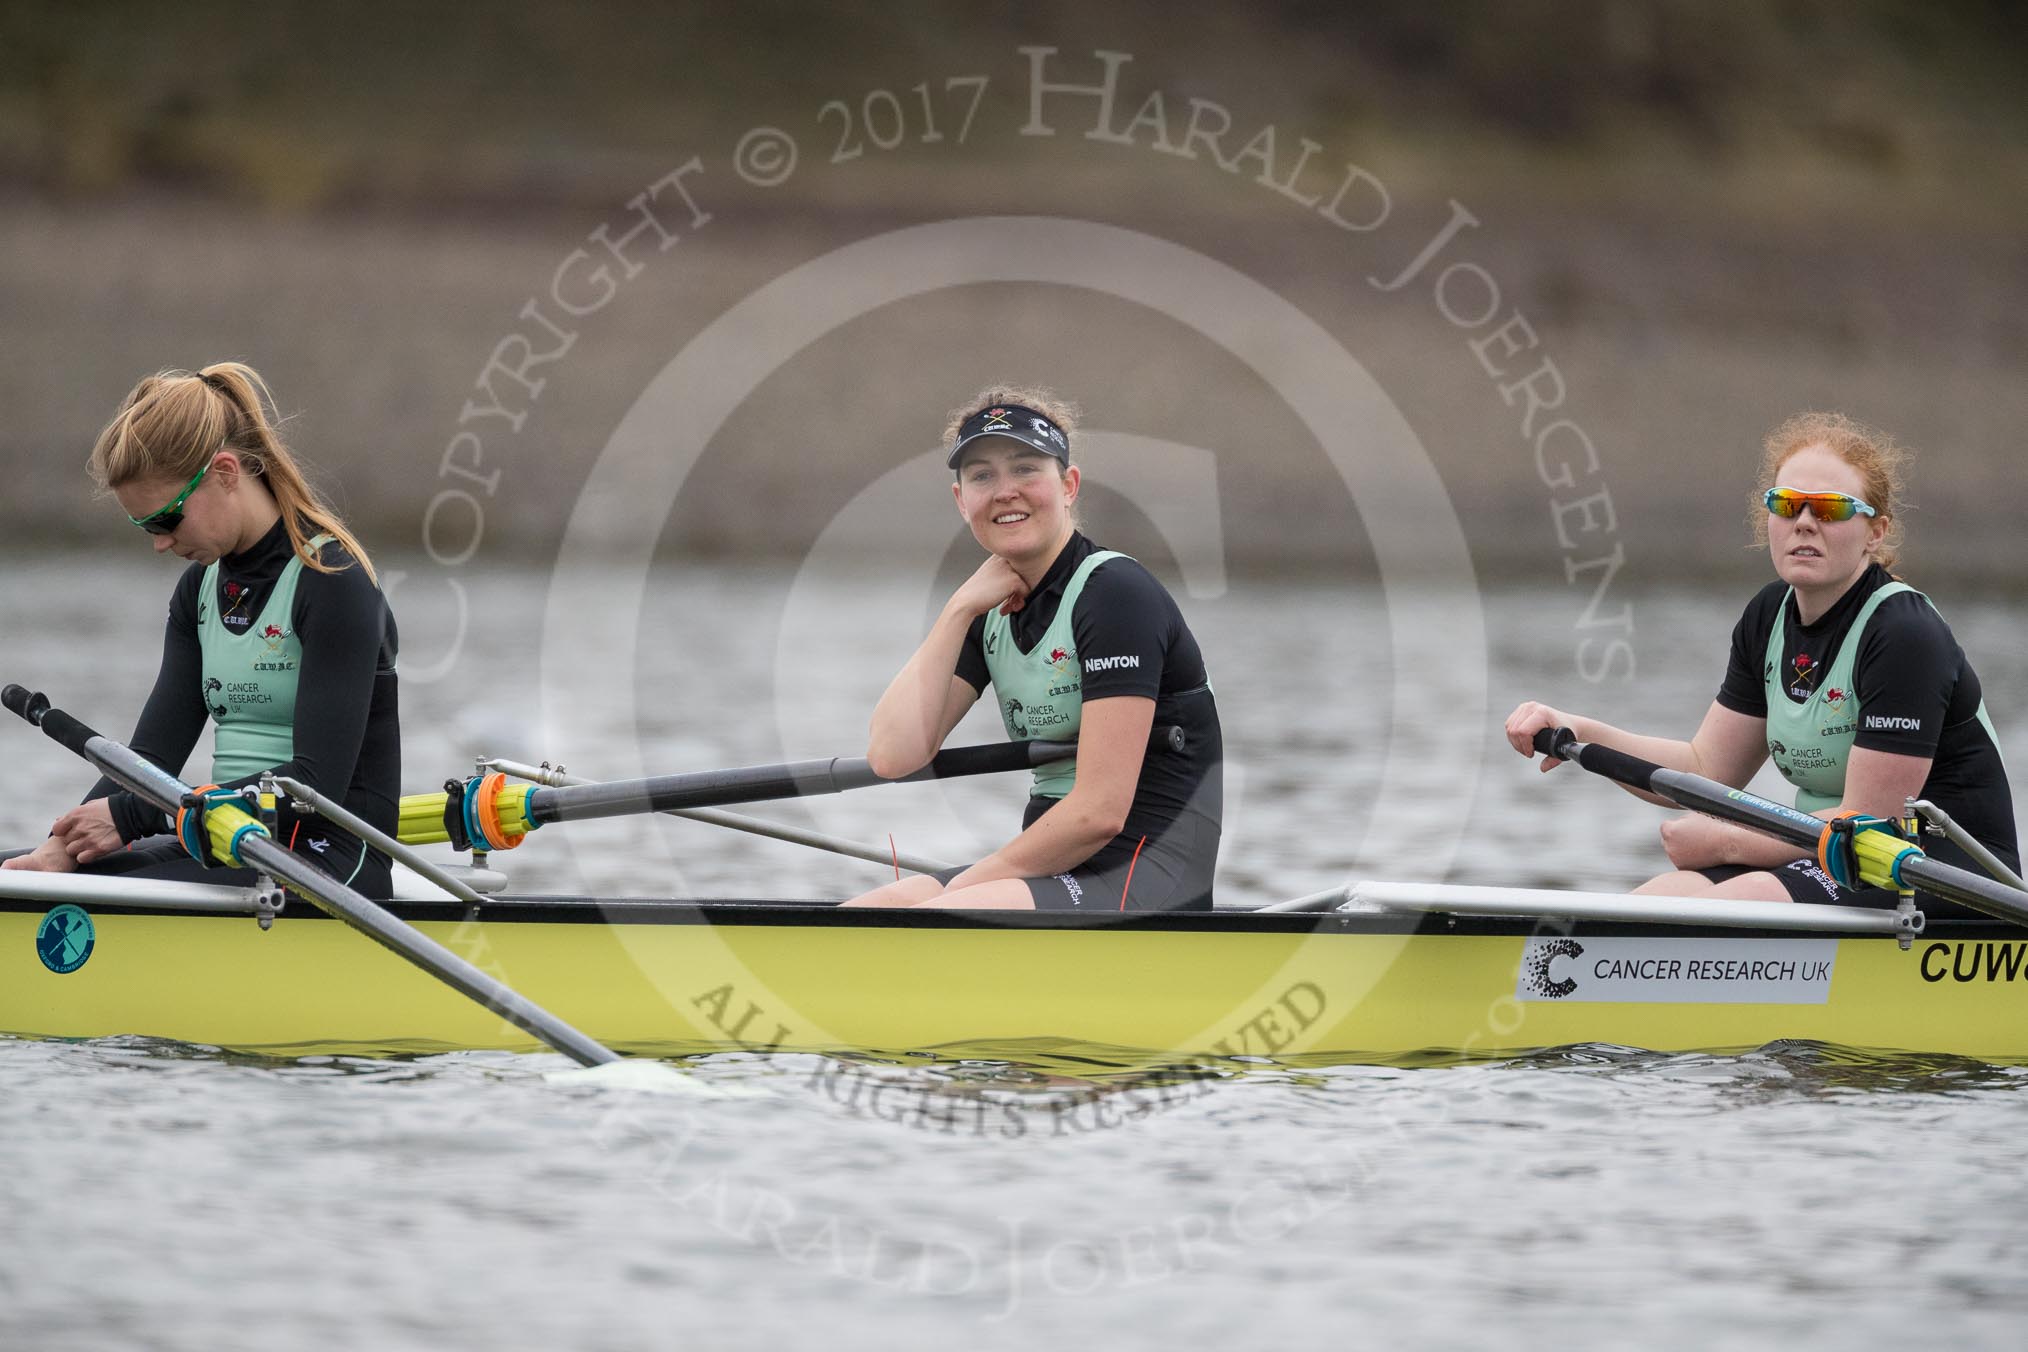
[
  {"x": 901, "y": 892},
  {"x": 1678, "y": 883},
  {"x": 1756, "y": 886},
  {"x": 1001, "y": 894}
]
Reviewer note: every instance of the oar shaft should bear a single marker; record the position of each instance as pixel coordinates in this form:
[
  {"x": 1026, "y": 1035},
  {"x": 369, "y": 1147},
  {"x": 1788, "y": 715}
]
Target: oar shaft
[
  {"x": 329, "y": 895},
  {"x": 376, "y": 923},
  {"x": 1987, "y": 895},
  {"x": 1686, "y": 790},
  {"x": 394, "y": 849},
  {"x": 555, "y": 777},
  {"x": 136, "y": 773},
  {"x": 713, "y": 788},
  {"x": 798, "y": 779}
]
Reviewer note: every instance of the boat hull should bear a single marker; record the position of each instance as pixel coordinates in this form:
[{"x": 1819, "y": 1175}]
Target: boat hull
[{"x": 674, "y": 978}]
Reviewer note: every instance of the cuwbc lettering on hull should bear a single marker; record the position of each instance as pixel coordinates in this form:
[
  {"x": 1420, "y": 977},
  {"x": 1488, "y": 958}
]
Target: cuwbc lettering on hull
[{"x": 1980, "y": 960}]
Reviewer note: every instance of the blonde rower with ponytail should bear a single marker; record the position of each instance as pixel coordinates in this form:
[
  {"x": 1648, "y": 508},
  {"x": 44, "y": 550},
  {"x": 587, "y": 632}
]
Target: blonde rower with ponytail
[
  {"x": 175, "y": 427},
  {"x": 278, "y": 633}
]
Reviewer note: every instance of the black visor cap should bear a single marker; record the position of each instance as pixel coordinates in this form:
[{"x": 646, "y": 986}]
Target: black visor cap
[{"x": 1016, "y": 423}]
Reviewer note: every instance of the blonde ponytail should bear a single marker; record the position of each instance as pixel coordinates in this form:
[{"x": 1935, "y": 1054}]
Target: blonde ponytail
[{"x": 173, "y": 422}]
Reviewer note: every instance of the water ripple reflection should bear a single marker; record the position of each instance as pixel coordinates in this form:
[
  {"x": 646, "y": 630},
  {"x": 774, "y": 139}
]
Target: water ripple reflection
[{"x": 1010, "y": 1195}]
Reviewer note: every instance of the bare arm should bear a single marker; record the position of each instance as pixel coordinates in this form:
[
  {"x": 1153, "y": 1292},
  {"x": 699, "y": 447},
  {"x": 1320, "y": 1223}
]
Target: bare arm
[
  {"x": 1728, "y": 746},
  {"x": 922, "y": 704},
  {"x": 1877, "y": 783},
  {"x": 1112, "y": 740},
  {"x": 926, "y": 699}
]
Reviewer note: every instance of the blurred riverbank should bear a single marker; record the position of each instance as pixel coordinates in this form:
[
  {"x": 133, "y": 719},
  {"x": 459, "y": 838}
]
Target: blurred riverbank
[{"x": 1695, "y": 245}]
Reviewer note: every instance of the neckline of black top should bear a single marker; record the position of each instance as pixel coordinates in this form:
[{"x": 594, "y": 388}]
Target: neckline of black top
[
  {"x": 1845, "y": 607},
  {"x": 273, "y": 547},
  {"x": 1036, "y": 613}
]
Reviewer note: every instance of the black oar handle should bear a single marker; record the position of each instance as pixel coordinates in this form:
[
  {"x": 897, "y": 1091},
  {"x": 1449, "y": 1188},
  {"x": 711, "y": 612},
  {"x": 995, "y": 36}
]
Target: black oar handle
[
  {"x": 18, "y": 701},
  {"x": 34, "y": 707},
  {"x": 1618, "y": 766}
]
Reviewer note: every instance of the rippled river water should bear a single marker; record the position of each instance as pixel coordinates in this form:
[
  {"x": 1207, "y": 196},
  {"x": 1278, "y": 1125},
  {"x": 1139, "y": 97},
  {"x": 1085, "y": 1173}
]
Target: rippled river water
[{"x": 159, "y": 1195}]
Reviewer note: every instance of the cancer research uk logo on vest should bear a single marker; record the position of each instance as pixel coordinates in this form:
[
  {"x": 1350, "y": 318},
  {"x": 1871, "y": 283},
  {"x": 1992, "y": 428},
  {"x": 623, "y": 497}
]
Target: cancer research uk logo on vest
[
  {"x": 1659, "y": 971},
  {"x": 65, "y": 939}
]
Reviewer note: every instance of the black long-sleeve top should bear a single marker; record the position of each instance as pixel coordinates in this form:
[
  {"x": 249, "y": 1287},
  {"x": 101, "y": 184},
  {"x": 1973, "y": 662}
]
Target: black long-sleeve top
[{"x": 347, "y": 725}]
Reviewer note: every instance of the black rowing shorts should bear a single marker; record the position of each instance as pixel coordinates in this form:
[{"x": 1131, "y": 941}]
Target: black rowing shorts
[
  {"x": 1167, "y": 872},
  {"x": 1806, "y": 880}
]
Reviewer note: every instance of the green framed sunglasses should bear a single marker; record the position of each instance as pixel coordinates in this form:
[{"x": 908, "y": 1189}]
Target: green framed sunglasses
[{"x": 165, "y": 521}]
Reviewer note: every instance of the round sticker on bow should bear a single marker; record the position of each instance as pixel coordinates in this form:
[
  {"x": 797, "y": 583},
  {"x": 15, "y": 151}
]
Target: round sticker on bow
[{"x": 65, "y": 938}]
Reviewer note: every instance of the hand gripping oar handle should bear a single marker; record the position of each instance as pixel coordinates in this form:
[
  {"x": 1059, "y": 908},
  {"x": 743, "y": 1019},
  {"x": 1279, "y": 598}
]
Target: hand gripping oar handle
[
  {"x": 329, "y": 895},
  {"x": 1618, "y": 766},
  {"x": 1987, "y": 895}
]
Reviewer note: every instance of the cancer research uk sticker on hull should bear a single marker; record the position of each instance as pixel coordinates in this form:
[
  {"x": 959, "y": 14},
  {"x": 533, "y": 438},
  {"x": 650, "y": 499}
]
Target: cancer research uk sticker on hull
[
  {"x": 1677, "y": 971},
  {"x": 65, "y": 939}
]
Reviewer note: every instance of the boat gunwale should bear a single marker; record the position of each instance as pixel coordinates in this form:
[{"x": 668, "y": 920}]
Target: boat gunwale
[{"x": 539, "y": 909}]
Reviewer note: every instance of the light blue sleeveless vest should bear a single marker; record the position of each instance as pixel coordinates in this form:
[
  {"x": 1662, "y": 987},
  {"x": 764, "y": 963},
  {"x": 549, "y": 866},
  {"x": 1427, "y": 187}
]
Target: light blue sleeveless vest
[
  {"x": 1811, "y": 742},
  {"x": 1041, "y": 691},
  {"x": 250, "y": 678}
]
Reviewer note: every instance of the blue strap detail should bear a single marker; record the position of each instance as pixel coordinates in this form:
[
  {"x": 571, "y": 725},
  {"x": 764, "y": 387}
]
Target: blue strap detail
[
  {"x": 1843, "y": 857},
  {"x": 1842, "y": 861},
  {"x": 1900, "y": 883},
  {"x": 197, "y": 841},
  {"x": 191, "y": 832},
  {"x": 471, "y": 811},
  {"x": 477, "y": 834},
  {"x": 527, "y": 792},
  {"x": 251, "y": 828}
]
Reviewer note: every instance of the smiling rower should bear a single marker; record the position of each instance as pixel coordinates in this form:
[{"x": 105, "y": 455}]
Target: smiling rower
[
  {"x": 1843, "y": 674},
  {"x": 1079, "y": 643},
  {"x": 278, "y": 634}
]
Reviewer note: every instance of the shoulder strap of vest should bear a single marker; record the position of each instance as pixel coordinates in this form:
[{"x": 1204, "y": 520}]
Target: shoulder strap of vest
[
  {"x": 1085, "y": 570},
  {"x": 1871, "y": 604},
  {"x": 294, "y": 567},
  {"x": 1894, "y": 588},
  {"x": 313, "y": 544},
  {"x": 1071, "y": 588}
]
